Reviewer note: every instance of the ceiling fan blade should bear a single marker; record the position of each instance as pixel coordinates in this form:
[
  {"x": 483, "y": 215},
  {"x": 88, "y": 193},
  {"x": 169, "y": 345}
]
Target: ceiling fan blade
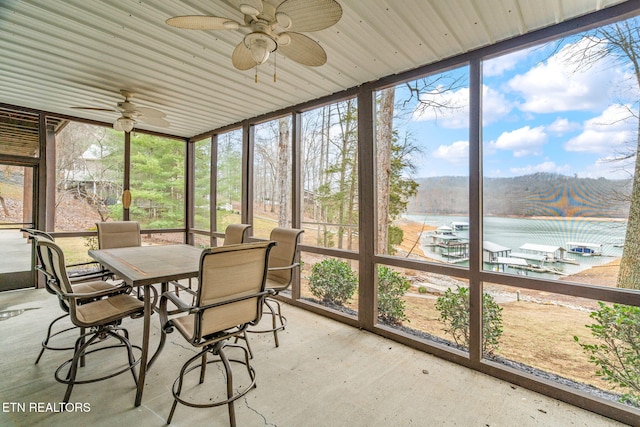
[
  {"x": 241, "y": 57},
  {"x": 248, "y": 7},
  {"x": 310, "y": 15},
  {"x": 202, "y": 22},
  {"x": 95, "y": 109},
  {"x": 150, "y": 112},
  {"x": 153, "y": 121},
  {"x": 303, "y": 50}
]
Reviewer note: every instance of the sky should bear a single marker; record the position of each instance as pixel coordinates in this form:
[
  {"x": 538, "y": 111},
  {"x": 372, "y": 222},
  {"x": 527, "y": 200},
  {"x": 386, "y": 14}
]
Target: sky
[{"x": 539, "y": 115}]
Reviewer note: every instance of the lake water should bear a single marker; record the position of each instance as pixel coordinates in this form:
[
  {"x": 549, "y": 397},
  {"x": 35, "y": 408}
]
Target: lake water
[{"x": 515, "y": 232}]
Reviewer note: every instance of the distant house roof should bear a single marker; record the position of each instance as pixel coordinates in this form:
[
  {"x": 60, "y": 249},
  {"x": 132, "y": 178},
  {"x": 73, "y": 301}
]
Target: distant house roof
[
  {"x": 540, "y": 248},
  {"x": 494, "y": 247},
  {"x": 511, "y": 261}
]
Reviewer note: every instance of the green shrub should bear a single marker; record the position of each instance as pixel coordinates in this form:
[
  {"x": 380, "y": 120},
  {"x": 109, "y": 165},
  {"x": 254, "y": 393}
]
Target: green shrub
[
  {"x": 422, "y": 290},
  {"x": 454, "y": 312},
  {"x": 617, "y": 355},
  {"x": 391, "y": 288},
  {"x": 333, "y": 280}
]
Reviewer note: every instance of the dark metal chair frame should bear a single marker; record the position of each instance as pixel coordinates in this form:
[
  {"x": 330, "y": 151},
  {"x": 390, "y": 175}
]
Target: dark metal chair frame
[
  {"x": 96, "y": 273},
  {"x": 90, "y": 311},
  {"x": 215, "y": 342},
  {"x": 282, "y": 259}
]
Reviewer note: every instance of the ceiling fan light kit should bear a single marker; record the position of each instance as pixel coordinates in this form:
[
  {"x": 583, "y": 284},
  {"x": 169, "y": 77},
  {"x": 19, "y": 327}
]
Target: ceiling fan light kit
[
  {"x": 124, "y": 124},
  {"x": 261, "y": 46},
  {"x": 269, "y": 23}
]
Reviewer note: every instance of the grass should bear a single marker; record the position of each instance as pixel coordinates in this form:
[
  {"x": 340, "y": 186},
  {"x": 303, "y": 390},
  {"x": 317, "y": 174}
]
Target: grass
[{"x": 538, "y": 335}]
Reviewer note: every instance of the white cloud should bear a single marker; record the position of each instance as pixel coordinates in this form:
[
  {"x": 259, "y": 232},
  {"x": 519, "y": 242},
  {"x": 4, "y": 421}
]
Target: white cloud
[
  {"x": 499, "y": 65},
  {"x": 525, "y": 141},
  {"x": 562, "y": 125},
  {"x": 494, "y": 105},
  {"x": 607, "y": 133},
  {"x": 458, "y": 152},
  {"x": 549, "y": 167},
  {"x": 555, "y": 85},
  {"x": 456, "y": 115}
]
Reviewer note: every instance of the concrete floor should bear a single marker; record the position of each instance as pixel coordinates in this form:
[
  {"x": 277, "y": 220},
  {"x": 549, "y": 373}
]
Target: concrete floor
[{"x": 323, "y": 374}]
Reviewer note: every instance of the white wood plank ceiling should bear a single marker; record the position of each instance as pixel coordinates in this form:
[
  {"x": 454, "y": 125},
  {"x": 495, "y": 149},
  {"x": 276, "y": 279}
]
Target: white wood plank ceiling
[{"x": 55, "y": 55}]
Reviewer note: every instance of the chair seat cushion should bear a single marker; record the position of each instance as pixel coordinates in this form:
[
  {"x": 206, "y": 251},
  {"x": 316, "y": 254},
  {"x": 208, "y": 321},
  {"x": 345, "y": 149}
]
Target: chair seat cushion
[
  {"x": 108, "y": 310},
  {"x": 276, "y": 285},
  {"x": 87, "y": 287},
  {"x": 220, "y": 320}
]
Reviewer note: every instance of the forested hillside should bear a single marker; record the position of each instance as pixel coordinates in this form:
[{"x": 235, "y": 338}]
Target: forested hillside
[{"x": 540, "y": 194}]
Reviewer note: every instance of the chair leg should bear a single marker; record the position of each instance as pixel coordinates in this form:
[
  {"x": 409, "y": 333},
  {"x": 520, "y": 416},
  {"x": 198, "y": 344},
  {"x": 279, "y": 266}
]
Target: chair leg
[
  {"x": 125, "y": 340},
  {"x": 176, "y": 393},
  {"x": 203, "y": 366},
  {"x": 227, "y": 368},
  {"x": 173, "y": 409},
  {"x": 45, "y": 342},
  {"x": 246, "y": 340},
  {"x": 273, "y": 320},
  {"x": 81, "y": 346}
]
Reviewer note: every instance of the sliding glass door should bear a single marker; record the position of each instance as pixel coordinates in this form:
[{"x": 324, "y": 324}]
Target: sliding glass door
[{"x": 16, "y": 211}]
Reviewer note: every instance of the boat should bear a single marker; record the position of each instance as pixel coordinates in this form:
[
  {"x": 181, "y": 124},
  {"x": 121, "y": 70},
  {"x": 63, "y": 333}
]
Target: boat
[
  {"x": 584, "y": 249},
  {"x": 459, "y": 225},
  {"x": 445, "y": 231}
]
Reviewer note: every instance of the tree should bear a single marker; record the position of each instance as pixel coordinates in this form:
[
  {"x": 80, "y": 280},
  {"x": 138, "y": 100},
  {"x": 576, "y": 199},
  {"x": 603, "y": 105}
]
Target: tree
[
  {"x": 338, "y": 193},
  {"x": 620, "y": 42},
  {"x": 157, "y": 181},
  {"x": 384, "y": 141},
  {"x": 282, "y": 172}
]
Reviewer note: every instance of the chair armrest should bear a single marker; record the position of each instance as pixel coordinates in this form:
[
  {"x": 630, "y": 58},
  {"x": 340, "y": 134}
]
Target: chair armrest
[
  {"x": 96, "y": 294},
  {"x": 80, "y": 264},
  {"x": 287, "y": 267},
  {"x": 182, "y": 306},
  {"x": 262, "y": 295},
  {"x": 165, "y": 323}
]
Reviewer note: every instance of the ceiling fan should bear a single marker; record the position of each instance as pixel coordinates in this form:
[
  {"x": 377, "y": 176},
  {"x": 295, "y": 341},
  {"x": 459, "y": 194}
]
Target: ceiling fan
[
  {"x": 273, "y": 25},
  {"x": 131, "y": 114}
]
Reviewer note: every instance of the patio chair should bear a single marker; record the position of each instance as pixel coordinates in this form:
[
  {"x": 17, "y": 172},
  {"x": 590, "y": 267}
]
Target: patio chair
[
  {"x": 235, "y": 234},
  {"x": 96, "y": 307},
  {"x": 229, "y": 299},
  {"x": 82, "y": 281},
  {"x": 280, "y": 275}
]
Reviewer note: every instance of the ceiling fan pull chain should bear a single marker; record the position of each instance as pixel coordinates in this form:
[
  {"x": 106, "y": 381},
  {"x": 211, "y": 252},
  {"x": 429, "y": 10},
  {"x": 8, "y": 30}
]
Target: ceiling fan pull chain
[
  {"x": 275, "y": 68},
  {"x": 256, "y": 78}
]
